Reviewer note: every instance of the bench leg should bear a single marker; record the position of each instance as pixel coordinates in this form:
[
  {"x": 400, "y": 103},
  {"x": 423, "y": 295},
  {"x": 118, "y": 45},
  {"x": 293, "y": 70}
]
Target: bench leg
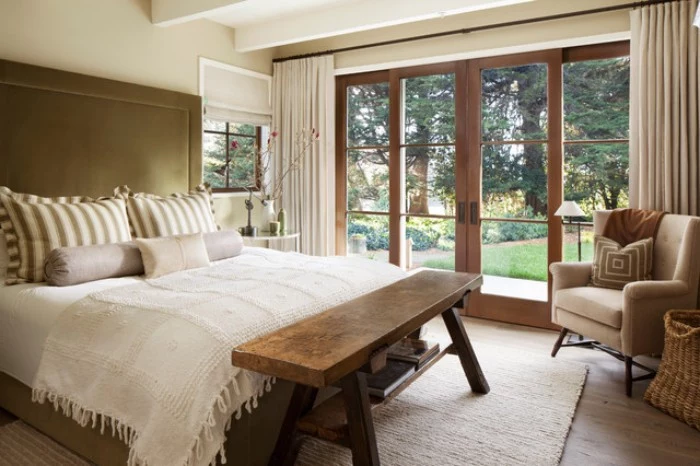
[
  {"x": 362, "y": 439},
  {"x": 464, "y": 349},
  {"x": 301, "y": 403}
]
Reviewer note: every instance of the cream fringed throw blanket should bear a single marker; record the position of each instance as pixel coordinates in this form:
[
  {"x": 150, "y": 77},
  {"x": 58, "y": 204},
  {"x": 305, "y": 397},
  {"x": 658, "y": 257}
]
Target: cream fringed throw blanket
[{"x": 151, "y": 362}]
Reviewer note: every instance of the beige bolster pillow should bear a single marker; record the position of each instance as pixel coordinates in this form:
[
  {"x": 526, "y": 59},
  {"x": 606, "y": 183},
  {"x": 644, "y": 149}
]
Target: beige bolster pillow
[
  {"x": 74, "y": 265},
  {"x": 80, "y": 264}
]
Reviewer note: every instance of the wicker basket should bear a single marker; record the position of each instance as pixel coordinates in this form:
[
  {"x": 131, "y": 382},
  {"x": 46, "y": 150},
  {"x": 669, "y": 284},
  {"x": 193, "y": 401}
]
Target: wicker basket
[{"x": 676, "y": 388}]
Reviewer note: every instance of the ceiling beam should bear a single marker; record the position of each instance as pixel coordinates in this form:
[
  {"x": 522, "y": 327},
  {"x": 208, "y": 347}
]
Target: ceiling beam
[
  {"x": 171, "y": 12},
  {"x": 348, "y": 18}
]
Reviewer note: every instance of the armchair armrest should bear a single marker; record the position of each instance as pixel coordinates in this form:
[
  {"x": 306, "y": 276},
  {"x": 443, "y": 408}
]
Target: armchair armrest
[
  {"x": 570, "y": 274},
  {"x": 656, "y": 289},
  {"x": 643, "y": 308}
]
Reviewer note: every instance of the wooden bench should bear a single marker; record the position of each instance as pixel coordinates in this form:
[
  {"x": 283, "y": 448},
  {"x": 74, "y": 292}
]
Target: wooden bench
[{"x": 341, "y": 345}]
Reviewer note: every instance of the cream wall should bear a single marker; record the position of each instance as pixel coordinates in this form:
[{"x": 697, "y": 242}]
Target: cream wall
[
  {"x": 567, "y": 32},
  {"x": 115, "y": 39}
]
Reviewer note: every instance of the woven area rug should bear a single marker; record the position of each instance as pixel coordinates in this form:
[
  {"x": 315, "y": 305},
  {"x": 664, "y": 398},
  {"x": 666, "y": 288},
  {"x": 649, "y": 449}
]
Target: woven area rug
[
  {"x": 436, "y": 421},
  {"x": 525, "y": 419}
]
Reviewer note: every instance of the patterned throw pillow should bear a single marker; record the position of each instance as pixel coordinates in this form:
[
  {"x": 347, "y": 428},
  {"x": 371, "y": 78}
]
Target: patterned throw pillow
[
  {"x": 153, "y": 216},
  {"x": 615, "y": 266},
  {"x": 33, "y": 226}
]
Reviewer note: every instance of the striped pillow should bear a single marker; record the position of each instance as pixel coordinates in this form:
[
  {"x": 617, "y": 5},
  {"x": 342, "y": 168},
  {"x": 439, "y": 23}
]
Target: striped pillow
[
  {"x": 153, "y": 216},
  {"x": 33, "y": 226}
]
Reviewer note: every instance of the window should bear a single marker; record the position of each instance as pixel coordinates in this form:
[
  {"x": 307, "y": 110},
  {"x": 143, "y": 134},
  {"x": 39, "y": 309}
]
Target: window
[
  {"x": 237, "y": 108},
  {"x": 228, "y": 168},
  {"x": 367, "y": 158},
  {"x": 596, "y": 136}
]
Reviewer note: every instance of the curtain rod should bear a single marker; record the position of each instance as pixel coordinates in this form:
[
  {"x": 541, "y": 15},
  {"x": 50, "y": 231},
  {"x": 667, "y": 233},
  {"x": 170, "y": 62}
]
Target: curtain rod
[{"x": 486, "y": 27}]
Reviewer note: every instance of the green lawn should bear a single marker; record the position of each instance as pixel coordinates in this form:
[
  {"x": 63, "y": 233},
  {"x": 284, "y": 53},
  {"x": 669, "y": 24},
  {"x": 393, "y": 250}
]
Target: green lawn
[{"x": 528, "y": 261}]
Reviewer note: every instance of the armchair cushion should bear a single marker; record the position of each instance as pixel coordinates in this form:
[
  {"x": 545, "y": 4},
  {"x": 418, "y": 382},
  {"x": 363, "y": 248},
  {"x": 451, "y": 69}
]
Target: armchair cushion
[{"x": 598, "y": 304}]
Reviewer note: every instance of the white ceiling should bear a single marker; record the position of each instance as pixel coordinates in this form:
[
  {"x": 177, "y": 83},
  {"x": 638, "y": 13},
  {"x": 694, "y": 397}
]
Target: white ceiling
[
  {"x": 251, "y": 12},
  {"x": 261, "y": 24}
]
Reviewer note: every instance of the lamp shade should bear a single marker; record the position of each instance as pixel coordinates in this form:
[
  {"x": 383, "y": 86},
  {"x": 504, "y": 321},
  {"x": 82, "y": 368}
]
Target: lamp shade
[
  {"x": 696, "y": 21},
  {"x": 569, "y": 209}
]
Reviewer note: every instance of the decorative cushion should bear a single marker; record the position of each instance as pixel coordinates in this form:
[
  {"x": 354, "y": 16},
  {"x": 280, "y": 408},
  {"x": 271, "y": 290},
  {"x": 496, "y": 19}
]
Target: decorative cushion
[
  {"x": 162, "y": 256},
  {"x": 615, "y": 266},
  {"x": 178, "y": 214},
  {"x": 223, "y": 244},
  {"x": 81, "y": 264},
  {"x": 33, "y": 226}
]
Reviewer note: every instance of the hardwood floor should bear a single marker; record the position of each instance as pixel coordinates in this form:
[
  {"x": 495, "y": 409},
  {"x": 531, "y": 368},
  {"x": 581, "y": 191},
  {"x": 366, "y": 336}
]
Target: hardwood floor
[
  {"x": 5, "y": 417},
  {"x": 609, "y": 428}
]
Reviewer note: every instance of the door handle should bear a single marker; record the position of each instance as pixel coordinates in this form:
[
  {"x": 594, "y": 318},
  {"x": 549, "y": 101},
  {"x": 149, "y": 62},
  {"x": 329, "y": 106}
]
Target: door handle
[
  {"x": 461, "y": 212},
  {"x": 473, "y": 213}
]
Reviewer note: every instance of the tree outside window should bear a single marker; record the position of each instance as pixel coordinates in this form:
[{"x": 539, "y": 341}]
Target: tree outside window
[{"x": 231, "y": 166}]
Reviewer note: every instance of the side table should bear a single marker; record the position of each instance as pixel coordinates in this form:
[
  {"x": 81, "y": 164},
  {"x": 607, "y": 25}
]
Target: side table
[{"x": 273, "y": 239}]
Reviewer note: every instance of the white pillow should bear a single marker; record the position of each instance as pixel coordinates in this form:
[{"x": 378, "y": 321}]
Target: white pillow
[{"x": 4, "y": 257}]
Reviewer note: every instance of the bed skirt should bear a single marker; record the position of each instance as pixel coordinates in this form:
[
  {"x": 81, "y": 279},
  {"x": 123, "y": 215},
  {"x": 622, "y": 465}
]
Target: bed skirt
[{"x": 249, "y": 442}]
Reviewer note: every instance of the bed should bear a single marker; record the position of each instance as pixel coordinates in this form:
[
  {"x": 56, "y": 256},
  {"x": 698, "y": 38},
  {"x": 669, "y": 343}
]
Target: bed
[{"x": 108, "y": 133}]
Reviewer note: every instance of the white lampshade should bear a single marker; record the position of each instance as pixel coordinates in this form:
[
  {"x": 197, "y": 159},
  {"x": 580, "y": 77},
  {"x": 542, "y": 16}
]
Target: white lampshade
[
  {"x": 696, "y": 21},
  {"x": 569, "y": 209}
]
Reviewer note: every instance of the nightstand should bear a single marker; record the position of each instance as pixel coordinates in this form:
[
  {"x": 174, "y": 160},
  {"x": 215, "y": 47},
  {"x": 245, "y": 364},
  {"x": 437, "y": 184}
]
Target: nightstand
[{"x": 265, "y": 239}]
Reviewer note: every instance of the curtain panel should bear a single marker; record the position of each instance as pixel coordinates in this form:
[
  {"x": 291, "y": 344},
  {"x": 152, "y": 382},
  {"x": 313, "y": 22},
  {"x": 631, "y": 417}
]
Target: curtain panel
[
  {"x": 303, "y": 97},
  {"x": 664, "y": 110}
]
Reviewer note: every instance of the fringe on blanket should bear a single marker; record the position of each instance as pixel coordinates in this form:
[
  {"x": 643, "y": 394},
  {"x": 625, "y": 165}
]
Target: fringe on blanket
[{"x": 128, "y": 435}]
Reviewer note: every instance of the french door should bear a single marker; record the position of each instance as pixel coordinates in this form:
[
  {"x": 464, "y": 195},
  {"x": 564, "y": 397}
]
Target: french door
[
  {"x": 460, "y": 166},
  {"x": 515, "y": 183}
]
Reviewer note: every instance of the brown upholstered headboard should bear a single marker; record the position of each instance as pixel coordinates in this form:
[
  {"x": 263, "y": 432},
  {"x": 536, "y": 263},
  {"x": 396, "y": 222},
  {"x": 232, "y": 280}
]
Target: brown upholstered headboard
[{"x": 64, "y": 133}]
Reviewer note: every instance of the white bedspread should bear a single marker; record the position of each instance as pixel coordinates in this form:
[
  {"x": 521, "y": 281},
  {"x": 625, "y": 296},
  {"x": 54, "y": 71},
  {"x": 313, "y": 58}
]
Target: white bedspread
[
  {"x": 27, "y": 313},
  {"x": 151, "y": 360}
]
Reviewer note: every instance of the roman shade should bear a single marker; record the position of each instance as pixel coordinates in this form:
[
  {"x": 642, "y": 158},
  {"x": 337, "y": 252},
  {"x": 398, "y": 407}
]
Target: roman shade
[{"x": 235, "y": 94}]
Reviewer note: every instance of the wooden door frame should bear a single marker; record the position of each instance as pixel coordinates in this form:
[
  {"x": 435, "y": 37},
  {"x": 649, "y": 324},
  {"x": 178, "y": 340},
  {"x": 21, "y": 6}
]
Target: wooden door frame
[
  {"x": 501, "y": 308},
  {"x": 468, "y": 165}
]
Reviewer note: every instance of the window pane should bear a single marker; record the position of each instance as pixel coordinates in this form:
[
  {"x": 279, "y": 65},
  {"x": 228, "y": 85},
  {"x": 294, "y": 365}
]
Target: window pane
[
  {"x": 214, "y": 125},
  {"x": 368, "y": 180},
  {"x": 432, "y": 243},
  {"x": 571, "y": 242},
  {"x": 214, "y": 146},
  {"x": 430, "y": 180},
  {"x": 596, "y": 176},
  {"x": 596, "y": 99},
  {"x": 240, "y": 128},
  {"x": 429, "y": 107},
  {"x": 514, "y": 181},
  {"x": 368, "y": 115},
  {"x": 242, "y": 172},
  {"x": 368, "y": 236},
  {"x": 514, "y": 103},
  {"x": 514, "y": 259}
]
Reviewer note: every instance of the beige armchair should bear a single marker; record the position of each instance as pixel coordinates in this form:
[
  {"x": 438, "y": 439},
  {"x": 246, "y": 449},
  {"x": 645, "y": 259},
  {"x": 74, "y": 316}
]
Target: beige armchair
[{"x": 629, "y": 322}]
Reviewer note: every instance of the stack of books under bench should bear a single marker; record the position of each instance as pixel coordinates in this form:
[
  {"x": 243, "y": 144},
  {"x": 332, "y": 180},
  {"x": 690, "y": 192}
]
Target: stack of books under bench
[{"x": 404, "y": 359}]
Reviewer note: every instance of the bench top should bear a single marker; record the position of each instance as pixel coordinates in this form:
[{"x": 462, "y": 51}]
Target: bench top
[{"x": 322, "y": 349}]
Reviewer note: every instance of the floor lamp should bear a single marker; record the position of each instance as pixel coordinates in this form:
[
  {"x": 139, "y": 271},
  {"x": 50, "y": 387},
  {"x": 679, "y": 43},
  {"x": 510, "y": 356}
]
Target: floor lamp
[{"x": 571, "y": 209}]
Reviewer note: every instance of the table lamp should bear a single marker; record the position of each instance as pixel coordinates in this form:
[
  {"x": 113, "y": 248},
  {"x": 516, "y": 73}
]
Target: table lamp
[{"x": 571, "y": 209}]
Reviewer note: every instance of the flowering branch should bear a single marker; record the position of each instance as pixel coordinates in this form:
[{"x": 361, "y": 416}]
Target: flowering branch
[{"x": 271, "y": 186}]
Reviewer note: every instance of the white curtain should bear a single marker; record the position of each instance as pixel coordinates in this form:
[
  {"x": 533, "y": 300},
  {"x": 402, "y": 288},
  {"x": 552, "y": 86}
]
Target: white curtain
[
  {"x": 664, "y": 109},
  {"x": 303, "y": 97}
]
